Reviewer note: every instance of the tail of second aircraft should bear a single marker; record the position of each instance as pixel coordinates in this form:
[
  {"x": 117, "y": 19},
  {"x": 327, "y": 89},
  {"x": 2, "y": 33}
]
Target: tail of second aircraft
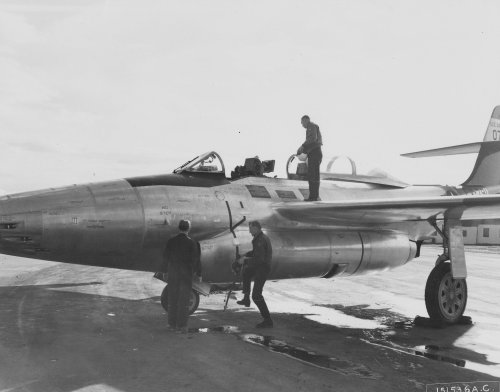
[{"x": 486, "y": 171}]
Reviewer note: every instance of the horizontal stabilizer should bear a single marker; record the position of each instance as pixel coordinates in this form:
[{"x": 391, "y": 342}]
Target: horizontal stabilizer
[
  {"x": 469, "y": 148},
  {"x": 485, "y": 172}
]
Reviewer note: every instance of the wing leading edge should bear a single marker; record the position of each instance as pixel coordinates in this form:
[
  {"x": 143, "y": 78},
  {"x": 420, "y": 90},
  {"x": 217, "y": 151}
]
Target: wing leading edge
[
  {"x": 380, "y": 211},
  {"x": 365, "y": 179}
]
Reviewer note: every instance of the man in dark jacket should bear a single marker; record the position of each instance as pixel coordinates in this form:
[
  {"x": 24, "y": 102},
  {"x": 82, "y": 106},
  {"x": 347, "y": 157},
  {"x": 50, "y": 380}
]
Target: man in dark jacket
[
  {"x": 312, "y": 147},
  {"x": 182, "y": 255},
  {"x": 257, "y": 266}
]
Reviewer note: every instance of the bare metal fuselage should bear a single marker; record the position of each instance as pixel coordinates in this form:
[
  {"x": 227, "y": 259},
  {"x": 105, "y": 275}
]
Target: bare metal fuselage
[{"x": 125, "y": 224}]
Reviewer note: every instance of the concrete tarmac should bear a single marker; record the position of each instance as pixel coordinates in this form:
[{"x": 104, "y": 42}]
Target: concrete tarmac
[{"x": 76, "y": 328}]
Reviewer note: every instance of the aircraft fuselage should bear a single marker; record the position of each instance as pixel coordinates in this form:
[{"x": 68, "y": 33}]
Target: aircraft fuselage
[{"x": 126, "y": 223}]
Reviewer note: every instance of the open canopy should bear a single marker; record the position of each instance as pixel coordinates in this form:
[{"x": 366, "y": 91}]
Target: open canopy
[{"x": 210, "y": 162}]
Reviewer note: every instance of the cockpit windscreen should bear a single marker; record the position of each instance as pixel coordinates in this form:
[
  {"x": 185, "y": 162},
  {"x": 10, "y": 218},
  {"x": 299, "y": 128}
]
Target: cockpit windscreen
[{"x": 209, "y": 162}]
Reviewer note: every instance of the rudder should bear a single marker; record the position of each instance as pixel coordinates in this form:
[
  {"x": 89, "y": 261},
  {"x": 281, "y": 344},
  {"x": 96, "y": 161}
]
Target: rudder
[{"x": 486, "y": 170}]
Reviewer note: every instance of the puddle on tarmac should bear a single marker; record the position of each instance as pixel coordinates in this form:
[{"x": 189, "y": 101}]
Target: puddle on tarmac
[
  {"x": 404, "y": 325},
  {"x": 397, "y": 321},
  {"x": 330, "y": 363},
  {"x": 319, "y": 360},
  {"x": 346, "y": 368},
  {"x": 223, "y": 329},
  {"x": 430, "y": 352}
]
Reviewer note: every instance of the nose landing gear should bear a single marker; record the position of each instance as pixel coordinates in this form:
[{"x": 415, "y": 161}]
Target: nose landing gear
[{"x": 194, "y": 300}]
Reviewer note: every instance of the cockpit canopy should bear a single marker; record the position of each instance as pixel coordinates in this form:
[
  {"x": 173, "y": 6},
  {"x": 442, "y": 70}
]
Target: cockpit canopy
[{"x": 210, "y": 162}]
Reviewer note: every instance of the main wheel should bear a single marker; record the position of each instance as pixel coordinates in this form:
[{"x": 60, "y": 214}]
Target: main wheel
[
  {"x": 445, "y": 297},
  {"x": 194, "y": 300}
]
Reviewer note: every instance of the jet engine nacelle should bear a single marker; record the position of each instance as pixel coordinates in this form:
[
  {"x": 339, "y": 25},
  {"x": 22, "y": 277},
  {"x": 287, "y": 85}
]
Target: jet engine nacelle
[{"x": 311, "y": 253}]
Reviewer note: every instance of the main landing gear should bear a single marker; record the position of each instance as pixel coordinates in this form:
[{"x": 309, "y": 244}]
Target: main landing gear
[{"x": 446, "y": 296}]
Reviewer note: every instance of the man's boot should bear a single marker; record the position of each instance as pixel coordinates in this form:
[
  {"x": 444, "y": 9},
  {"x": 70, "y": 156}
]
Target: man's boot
[
  {"x": 245, "y": 301},
  {"x": 313, "y": 191},
  {"x": 264, "y": 312},
  {"x": 267, "y": 323},
  {"x": 316, "y": 190}
]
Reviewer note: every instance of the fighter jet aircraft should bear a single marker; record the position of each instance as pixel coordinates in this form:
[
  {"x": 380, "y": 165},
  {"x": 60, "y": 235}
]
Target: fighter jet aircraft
[{"x": 375, "y": 224}]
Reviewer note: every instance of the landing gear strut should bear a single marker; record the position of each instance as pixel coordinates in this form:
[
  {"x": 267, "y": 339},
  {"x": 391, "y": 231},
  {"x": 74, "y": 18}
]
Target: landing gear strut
[
  {"x": 194, "y": 300},
  {"x": 445, "y": 297}
]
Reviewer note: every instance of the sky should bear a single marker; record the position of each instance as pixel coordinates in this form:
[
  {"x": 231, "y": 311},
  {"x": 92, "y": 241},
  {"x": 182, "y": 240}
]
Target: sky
[{"x": 94, "y": 90}]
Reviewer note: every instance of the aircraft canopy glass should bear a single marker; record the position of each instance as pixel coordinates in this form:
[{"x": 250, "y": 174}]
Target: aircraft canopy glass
[{"x": 209, "y": 162}]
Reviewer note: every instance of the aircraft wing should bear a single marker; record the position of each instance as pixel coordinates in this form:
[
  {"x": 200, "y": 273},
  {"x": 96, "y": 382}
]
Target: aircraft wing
[
  {"x": 380, "y": 211},
  {"x": 364, "y": 179}
]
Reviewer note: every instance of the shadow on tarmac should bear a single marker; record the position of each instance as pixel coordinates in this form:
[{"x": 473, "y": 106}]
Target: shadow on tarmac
[
  {"x": 54, "y": 340},
  {"x": 401, "y": 333}
]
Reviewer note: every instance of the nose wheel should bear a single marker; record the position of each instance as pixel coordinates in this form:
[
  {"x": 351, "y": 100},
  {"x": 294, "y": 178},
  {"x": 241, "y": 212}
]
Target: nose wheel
[
  {"x": 445, "y": 297},
  {"x": 194, "y": 300}
]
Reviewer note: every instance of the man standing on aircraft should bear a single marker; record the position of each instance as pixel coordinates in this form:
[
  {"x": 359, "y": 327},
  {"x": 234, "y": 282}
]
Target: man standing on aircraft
[
  {"x": 257, "y": 267},
  {"x": 312, "y": 147},
  {"x": 182, "y": 255}
]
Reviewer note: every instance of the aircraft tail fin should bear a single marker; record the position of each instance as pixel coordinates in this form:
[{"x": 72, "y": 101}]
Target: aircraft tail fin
[{"x": 486, "y": 170}]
